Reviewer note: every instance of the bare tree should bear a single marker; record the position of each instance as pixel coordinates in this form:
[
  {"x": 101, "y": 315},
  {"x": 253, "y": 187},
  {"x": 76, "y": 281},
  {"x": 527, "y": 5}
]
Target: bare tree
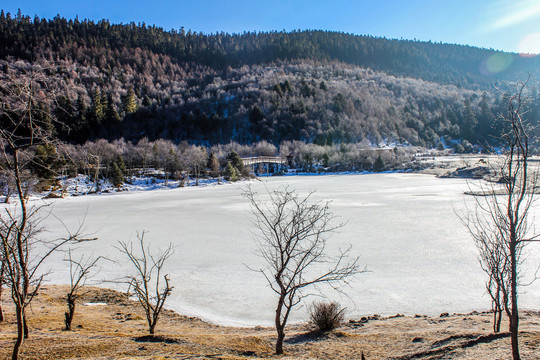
[
  {"x": 25, "y": 122},
  {"x": 494, "y": 260},
  {"x": 293, "y": 233},
  {"x": 151, "y": 288},
  {"x": 6, "y": 184},
  {"x": 499, "y": 223},
  {"x": 2, "y": 281},
  {"x": 264, "y": 148},
  {"x": 101, "y": 155},
  {"x": 24, "y": 251},
  {"x": 79, "y": 271},
  {"x": 193, "y": 161},
  {"x": 144, "y": 149}
]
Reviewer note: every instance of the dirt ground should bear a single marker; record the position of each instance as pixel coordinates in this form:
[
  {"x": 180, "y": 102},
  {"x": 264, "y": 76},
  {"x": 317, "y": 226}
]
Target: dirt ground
[{"x": 114, "y": 328}]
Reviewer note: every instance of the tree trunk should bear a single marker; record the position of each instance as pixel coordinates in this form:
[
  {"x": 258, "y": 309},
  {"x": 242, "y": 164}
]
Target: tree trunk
[
  {"x": 514, "y": 316},
  {"x": 495, "y": 315},
  {"x": 152, "y": 328},
  {"x": 25, "y": 324},
  {"x": 1, "y": 310},
  {"x": 1, "y": 288},
  {"x": 67, "y": 321},
  {"x": 96, "y": 175},
  {"x": 70, "y": 313},
  {"x": 20, "y": 333},
  {"x": 8, "y": 195},
  {"x": 498, "y": 324},
  {"x": 497, "y": 311},
  {"x": 21, "y": 259},
  {"x": 279, "y": 341},
  {"x": 280, "y": 328}
]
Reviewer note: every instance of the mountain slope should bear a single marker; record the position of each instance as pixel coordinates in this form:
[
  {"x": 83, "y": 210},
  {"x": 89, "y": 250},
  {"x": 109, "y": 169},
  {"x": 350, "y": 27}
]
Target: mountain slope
[{"x": 137, "y": 81}]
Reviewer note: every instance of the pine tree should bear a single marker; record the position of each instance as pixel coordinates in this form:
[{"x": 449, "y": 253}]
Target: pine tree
[
  {"x": 121, "y": 165},
  {"x": 117, "y": 178},
  {"x": 98, "y": 112},
  {"x": 469, "y": 122},
  {"x": 256, "y": 115},
  {"x": 146, "y": 101},
  {"x": 379, "y": 164},
  {"x": 110, "y": 112},
  {"x": 236, "y": 161},
  {"x": 286, "y": 86},
  {"x": 277, "y": 88},
  {"x": 231, "y": 173},
  {"x": 129, "y": 102},
  {"x": 486, "y": 120},
  {"x": 46, "y": 162}
]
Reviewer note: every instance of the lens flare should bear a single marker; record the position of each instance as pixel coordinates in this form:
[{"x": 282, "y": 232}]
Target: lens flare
[{"x": 496, "y": 63}]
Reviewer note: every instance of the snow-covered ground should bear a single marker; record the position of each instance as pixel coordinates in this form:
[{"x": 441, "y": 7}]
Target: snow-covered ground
[
  {"x": 420, "y": 258},
  {"x": 82, "y": 185}
]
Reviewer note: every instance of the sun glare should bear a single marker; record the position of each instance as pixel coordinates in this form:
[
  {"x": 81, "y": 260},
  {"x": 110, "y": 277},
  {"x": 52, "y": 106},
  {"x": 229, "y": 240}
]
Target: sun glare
[{"x": 530, "y": 44}]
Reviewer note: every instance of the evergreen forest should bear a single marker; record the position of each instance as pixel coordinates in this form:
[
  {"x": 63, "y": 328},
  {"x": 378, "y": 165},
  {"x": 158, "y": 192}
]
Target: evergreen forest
[{"x": 135, "y": 81}]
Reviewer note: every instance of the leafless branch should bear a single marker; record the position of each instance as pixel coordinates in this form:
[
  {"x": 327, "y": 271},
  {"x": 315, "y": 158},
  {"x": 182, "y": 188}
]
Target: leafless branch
[
  {"x": 499, "y": 221},
  {"x": 79, "y": 271},
  {"x": 292, "y": 233},
  {"x": 25, "y": 123},
  {"x": 147, "y": 278}
]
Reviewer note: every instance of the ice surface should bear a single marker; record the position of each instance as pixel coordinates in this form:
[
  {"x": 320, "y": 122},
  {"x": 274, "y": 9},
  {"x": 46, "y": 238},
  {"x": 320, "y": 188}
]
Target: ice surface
[{"x": 420, "y": 258}]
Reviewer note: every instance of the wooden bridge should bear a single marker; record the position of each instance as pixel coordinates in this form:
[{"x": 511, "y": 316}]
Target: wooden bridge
[{"x": 264, "y": 159}]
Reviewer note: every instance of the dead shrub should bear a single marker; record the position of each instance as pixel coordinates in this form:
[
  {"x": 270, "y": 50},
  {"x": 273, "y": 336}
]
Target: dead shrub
[{"x": 326, "y": 316}]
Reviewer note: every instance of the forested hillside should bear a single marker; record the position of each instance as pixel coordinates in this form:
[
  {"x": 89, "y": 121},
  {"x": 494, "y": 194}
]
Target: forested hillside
[{"x": 136, "y": 81}]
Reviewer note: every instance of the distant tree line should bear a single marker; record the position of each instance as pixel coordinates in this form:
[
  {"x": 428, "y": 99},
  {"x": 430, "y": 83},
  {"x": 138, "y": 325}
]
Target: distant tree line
[
  {"x": 30, "y": 38},
  {"x": 119, "y": 160}
]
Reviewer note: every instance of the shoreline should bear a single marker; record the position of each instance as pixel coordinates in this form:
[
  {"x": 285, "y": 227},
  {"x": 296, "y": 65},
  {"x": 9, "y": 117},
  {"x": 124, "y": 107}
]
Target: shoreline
[
  {"x": 118, "y": 330},
  {"x": 228, "y": 321},
  {"x": 173, "y": 184},
  {"x": 442, "y": 166}
]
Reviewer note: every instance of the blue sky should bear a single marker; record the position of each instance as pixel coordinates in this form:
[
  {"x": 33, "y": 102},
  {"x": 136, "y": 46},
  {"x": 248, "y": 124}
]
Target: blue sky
[{"x": 509, "y": 25}]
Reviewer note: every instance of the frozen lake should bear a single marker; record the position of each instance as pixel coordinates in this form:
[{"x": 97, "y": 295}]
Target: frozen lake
[{"x": 420, "y": 258}]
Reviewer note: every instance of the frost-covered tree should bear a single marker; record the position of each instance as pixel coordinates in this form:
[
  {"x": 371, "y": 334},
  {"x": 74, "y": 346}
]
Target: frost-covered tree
[{"x": 212, "y": 165}]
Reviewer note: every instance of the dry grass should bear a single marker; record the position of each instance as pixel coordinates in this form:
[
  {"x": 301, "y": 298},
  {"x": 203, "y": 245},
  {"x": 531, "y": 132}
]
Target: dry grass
[{"x": 111, "y": 332}]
